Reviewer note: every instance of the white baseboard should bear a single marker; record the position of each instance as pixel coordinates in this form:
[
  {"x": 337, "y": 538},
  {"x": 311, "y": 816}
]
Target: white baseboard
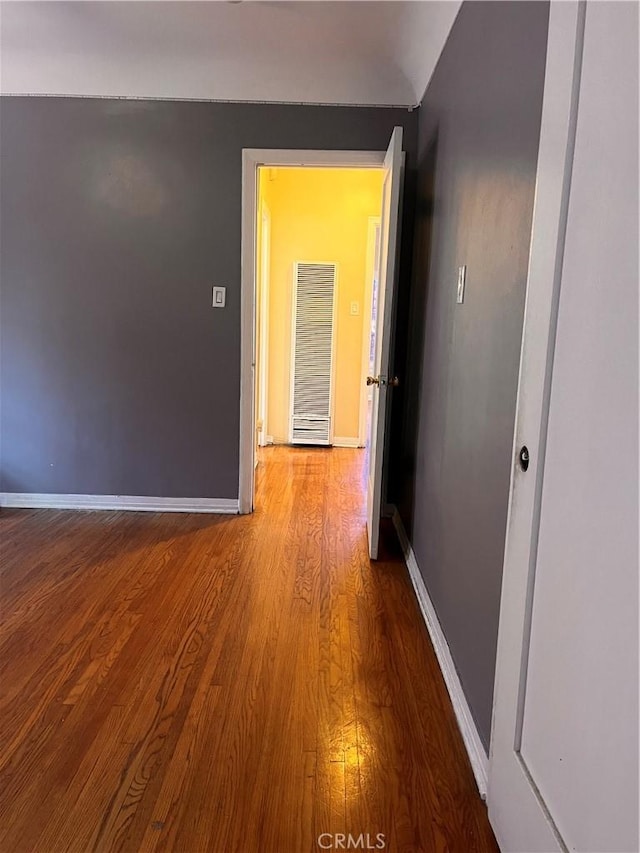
[
  {"x": 119, "y": 502},
  {"x": 338, "y": 441},
  {"x": 345, "y": 441},
  {"x": 277, "y": 440},
  {"x": 475, "y": 749}
]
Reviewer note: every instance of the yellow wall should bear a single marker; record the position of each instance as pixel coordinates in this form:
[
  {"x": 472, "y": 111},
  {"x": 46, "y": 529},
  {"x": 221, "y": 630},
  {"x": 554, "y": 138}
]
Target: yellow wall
[{"x": 319, "y": 215}]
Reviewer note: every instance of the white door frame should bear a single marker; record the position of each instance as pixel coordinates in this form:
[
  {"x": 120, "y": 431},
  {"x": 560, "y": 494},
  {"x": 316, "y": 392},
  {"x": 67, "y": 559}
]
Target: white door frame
[
  {"x": 372, "y": 227},
  {"x": 252, "y": 158},
  {"x": 263, "y": 358}
]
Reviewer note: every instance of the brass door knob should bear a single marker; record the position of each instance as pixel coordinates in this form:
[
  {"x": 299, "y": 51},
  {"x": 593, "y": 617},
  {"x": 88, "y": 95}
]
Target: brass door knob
[{"x": 382, "y": 381}]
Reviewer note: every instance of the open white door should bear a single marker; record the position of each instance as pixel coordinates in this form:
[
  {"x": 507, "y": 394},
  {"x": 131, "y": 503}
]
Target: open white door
[
  {"x": 563, "y": 772},
  {"x": 522, "y": 807},
  {"x": 381, "y": 379}
]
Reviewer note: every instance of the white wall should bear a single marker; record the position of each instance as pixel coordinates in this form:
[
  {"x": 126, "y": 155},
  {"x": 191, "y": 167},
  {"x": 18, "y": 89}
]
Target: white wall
[
  {"x": 423, "y": 29},
  {"x": 580, "y": 735},
  {"x": 348, "y": 53}
]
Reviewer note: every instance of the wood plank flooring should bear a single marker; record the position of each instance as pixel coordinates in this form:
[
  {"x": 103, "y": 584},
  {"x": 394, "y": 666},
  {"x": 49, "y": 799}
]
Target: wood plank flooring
[{"x": 194, "y": 683}]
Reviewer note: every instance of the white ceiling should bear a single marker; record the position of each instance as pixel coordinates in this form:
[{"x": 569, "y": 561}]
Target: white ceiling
[{"x": 313, "y": 52}]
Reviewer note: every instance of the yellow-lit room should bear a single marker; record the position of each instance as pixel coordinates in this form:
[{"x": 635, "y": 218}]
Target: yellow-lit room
[{"x": 323, "y": 223}]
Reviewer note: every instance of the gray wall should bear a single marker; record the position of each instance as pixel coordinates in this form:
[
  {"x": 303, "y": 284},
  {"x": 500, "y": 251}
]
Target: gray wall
[
  {"x": 478, "y": 139},
  {"x": 117, "y": 217}
]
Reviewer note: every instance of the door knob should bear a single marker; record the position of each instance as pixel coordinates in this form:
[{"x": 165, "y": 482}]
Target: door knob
[{"x": 382, "y": 381}]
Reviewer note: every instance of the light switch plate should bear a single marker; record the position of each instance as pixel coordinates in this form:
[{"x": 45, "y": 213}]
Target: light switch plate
[
  {"x": 219, "y": 297},
  {"x": 462, "y": 280},
  {"x": 355, "y": 308}
]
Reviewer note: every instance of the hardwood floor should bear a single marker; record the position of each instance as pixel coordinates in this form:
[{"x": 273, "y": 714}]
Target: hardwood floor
[{"x": 219, "y": 683}]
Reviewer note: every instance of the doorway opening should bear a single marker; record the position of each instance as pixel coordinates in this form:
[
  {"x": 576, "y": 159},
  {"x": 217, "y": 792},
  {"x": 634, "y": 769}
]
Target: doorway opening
[
  {"x": 306, "y": 305},
  {"x": 317, "y": 234}
]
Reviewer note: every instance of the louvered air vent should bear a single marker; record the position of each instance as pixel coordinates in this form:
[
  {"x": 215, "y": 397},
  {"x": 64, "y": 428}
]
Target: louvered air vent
[{"x": 312, "y": 352}]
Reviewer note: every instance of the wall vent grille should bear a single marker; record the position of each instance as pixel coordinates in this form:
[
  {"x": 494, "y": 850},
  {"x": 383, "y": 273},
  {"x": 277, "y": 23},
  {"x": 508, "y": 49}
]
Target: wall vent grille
[{"x": 312, "y": 353}]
